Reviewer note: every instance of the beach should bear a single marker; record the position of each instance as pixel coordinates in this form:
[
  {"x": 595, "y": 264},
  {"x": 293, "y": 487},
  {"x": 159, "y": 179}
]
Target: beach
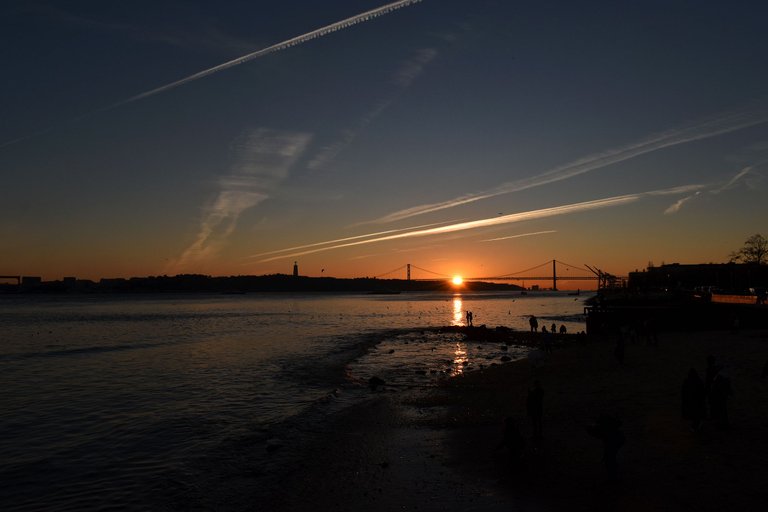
[{"x": 438, "y": 448}]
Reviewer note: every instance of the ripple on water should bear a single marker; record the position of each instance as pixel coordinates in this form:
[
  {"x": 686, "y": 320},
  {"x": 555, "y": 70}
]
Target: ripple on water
[{"x": 424, "y": 357}]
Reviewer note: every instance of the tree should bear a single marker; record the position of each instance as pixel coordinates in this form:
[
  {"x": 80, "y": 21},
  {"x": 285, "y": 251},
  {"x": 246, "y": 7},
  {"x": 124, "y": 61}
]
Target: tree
[{"x": 755, "y": 250}]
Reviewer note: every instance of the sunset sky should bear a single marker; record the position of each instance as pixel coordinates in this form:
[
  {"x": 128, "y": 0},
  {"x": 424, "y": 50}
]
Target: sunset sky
[{"x": 465, "y": 137}]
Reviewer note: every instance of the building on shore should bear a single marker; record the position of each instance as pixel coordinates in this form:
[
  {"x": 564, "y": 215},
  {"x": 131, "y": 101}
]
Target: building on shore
[{"x": 725, "y": 277}]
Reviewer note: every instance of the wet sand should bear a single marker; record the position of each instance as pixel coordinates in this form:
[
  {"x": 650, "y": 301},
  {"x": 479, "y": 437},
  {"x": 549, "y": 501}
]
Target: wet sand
[{"x": 436, "y": 448}]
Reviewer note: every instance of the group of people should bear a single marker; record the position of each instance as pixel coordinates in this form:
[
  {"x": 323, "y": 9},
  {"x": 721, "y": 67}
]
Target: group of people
[
  {"x": 606, "y": 428},
  {"x": 707, "y": 398},
  {"x": 513, "y": 439},
  {"x": 534, "y": 323}
]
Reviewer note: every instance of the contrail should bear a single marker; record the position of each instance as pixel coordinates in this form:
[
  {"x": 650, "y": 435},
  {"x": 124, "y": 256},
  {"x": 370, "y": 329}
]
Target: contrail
[
  {"x": 505, "y": 219},
  {"x": 369, "y": 235},
  {"x": 717, "y": 126},
  {"x": 320, "y": 32},
  {"x": 520, "y": 235},
  {"x": 677, "y": 205}
]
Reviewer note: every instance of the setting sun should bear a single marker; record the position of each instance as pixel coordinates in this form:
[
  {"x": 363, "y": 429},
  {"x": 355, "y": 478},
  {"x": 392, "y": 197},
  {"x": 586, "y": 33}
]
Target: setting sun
[{"x": 457, "y": 280}]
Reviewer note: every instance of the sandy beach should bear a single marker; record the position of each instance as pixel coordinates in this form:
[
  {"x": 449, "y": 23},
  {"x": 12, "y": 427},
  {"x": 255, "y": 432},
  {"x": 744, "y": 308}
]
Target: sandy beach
[{"x": 437, "y": 448}]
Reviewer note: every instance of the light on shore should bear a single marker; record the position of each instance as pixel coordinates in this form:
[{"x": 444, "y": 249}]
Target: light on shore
[{"x": 457, "y": 280}]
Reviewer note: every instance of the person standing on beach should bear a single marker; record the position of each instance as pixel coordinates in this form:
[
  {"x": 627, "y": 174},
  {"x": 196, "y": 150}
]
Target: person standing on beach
[
  {"x": 709, "y": 378},
  {"x": 548, "y": 339},
  {"x": 608, "y": 430},
  {"x": 534, "y": 323},
  {"x": 513, "y": 441},
  {"x": 694, "y": 407},
  {"x": 618, "y": 351},
  {"x": 535, "y": 406},
  {"x": 718, "y": 399}
]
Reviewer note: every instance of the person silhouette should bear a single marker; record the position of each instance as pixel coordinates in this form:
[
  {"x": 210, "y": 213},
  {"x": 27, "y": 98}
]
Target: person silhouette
[
  {"x": 693, "y": 406},
  {"x": 513, "y": 441},
  {"x": 709, "y": 377},
  {"x": 535, "y": 406},
  {"x": 608, "y": 430},
  {"x": 618, "y": 350},
  {"x": 721, "y": 390},
  {"x": 534, "y": 323}
]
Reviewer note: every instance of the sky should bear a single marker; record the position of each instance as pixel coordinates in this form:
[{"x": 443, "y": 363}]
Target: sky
[{"x": 477, "y": 137}]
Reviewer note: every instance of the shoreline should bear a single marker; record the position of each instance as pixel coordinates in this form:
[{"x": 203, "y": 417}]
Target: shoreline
[{"x": 437, "y": 448}]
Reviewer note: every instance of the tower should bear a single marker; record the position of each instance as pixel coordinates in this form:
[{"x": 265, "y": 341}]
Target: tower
[
  {"x": 554, "y": 276},
  {"x": 295, "y": 269}
]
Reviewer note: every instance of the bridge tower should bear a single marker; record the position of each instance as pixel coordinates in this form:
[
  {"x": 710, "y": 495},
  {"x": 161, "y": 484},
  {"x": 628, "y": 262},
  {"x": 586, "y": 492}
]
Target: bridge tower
[
  {"x": 408, "y": 272},
  {"x": 554, "y": 275}
]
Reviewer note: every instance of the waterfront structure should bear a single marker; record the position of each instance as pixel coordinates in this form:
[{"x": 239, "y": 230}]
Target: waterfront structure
[{"x": 731, "y": 277}]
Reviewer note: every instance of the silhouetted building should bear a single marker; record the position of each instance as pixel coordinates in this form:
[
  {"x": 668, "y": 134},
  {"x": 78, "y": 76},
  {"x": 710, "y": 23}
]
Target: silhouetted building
[
  {"x": 710, "y": 277},
  {"x": 31, "y": 280},
  {"x": 295, "y": 269}
]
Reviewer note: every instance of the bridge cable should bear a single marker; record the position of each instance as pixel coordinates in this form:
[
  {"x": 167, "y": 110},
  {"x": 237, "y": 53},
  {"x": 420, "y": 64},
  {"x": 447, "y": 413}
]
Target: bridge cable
[
  {"x": 390, "y": 272},
  {"x": 576, "y": 267},
  {"x": 429, "y": 271},
  {"x": 526, "y": 270}
]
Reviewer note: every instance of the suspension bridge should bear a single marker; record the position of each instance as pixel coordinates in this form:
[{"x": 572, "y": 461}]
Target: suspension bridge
[{"x": 547, "y": 271}]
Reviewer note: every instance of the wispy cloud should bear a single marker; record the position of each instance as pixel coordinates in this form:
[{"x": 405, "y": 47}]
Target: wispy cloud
[
  {"x": 731, "y": 183},
  {"x": 402, "y": 79},
  {"x": 346, "y": 239},
  {"x": 263, "y": 160},
  {"x": 520, "y": 235},
  {"x": 500, "y": 220},
  {"x": 675, "y": 207},
  {"x": 206, "y": 37},
  {"x": 735, "y": 179},
  {"x": 414, "y": 67},
  {"x": 711, "y": 128},
  {"x": 294, "y": 41}
]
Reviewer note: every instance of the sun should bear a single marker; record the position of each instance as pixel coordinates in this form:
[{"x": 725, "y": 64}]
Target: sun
[{"x": 457, "y": 280}]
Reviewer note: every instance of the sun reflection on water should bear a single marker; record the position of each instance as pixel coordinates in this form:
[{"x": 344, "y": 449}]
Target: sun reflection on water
[
  {"x": 458, "y": 311},
  {"x": 460, "y": 359}
]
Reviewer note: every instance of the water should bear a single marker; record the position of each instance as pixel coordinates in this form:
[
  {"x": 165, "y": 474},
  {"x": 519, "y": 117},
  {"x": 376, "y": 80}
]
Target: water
[{"x": 130, "y": 402}]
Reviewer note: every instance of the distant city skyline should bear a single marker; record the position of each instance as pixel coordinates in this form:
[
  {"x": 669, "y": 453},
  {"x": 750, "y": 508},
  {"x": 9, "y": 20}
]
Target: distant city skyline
[{"x": 471, "y": 138}]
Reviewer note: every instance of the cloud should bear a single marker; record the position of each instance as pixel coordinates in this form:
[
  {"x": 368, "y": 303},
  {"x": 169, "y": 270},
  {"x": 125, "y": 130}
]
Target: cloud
[
  {"x": 294, "y": 41},
  {"x": 731, "y": 183},
  {"x": 208, "y": 38},
  {"x": 675, "y": 207},
  {"x": 288, "y": 43},
  {"x": 414, "y": 67},
  {"x": 500, "y": 220},
  {"x": 347, "y": 239},
  {"x": 520, "y": 235},
  {"x": 263, "y": 160},
  {"x": 402, "y": 79},
  {"x": 735, "y": 179},
  {"x": 711, "y": 128}
]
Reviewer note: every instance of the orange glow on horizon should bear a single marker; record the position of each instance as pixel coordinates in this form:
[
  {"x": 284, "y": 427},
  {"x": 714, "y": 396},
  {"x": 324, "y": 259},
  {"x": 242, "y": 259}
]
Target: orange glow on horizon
[{"x": 457, "y": 280}]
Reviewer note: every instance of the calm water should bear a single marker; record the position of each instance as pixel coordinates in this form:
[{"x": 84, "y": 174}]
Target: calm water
[{"x": 126, "y": 402}]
